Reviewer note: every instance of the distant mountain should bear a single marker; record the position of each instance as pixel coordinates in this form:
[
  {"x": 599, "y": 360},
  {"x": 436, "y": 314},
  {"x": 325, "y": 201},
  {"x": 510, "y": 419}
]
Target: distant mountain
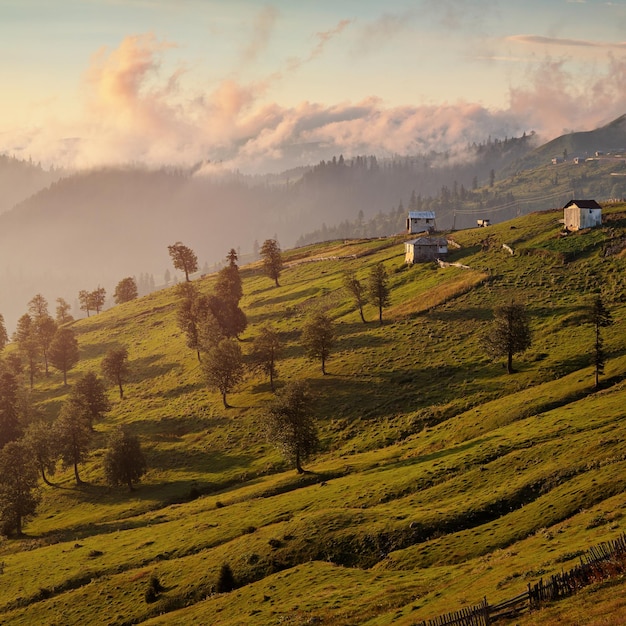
[
  {"x": 21, "y": 179},
  {"x": 94, "y": 228},
  {"x": 608, "y": 138}
]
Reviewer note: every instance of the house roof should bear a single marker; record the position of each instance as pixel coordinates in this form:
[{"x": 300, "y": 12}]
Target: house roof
[
  {"x": 422, "y": 215},
  {"x": 583, "y": 204},
  {"x": 427, "y": 241}
]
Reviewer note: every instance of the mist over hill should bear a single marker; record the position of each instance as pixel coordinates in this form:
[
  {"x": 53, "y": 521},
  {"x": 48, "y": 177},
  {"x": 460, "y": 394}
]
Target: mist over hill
[{"x": 68, "y": 232}]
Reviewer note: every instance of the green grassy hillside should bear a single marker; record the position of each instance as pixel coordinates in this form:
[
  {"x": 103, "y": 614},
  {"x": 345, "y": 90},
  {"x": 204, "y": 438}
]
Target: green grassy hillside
[{"x": 441, "y": 479}]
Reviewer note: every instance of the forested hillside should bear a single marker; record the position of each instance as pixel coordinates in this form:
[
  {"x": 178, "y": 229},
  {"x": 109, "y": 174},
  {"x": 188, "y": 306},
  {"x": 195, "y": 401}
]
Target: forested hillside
[
  {"x": 434, "y": 478},
  {"x": 94, "y": 228}
]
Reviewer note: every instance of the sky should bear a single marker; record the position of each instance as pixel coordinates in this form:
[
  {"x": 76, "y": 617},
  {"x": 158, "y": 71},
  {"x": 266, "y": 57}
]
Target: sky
[{"x": 264, "y": 86}]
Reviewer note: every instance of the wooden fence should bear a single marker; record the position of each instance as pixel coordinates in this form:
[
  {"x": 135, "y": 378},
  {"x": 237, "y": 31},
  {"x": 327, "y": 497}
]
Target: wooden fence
[{"x": 598, "y": 563}]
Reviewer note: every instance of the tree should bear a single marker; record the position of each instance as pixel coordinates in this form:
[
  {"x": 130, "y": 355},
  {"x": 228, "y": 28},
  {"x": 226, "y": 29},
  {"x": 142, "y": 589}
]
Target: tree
[
  {"x": 222, "y": 366},
  {"x": 356, "y": 289},
  {"x": 272, "y": 259},
  {"x": 229, "y": 316},
  {"x": 509, "y": 333},
  {"x": 73, "y": 436},
  {"x": 85, "y": 301},
  {"x": 92, "y": 300},
  {"x": 378, "y": 288},
  {"x": 289, "y": 425},
  {"x": 266, "y": 349},
  {"x": 38, "y": 307},
  {"x": 4, "y": 337},
  {"x": 42, "y": 441},
  {"x": 228, "y": 285},
  {"x": 196, "y": 320},
  {"x": 124, "y": 462},
  {"x": 226, "y": 580},
  {"x": 18, "y": 487},
  {"x": 183, "y": 259},
  {"x": 125, "y": 291},
  {"x": 63, "y": 312},
  {"x": 27, "y": 345},
  {"x": 45, "y": 329},
  {"x": 115, "y": 367},
  {"x": 97, "y": 299},
  {"x": 63, "y": 353},
  {"x": 90, "y": 393},
  {"x": 318, "y": 337},
  {"x": 600, "y": 317},
  {"x": 9, "y": 412}
]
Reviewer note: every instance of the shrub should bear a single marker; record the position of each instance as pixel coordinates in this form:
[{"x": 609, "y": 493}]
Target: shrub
[
  {"x": 154, "y": 589},
  {"x": 226, "y": 580}
]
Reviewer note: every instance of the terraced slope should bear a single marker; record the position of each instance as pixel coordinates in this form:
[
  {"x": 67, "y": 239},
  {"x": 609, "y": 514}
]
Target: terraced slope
[{"x": 441, "y": 479}]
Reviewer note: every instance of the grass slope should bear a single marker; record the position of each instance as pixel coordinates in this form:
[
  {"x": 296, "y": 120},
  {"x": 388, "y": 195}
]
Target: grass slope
[{"x": 441, "y": 479}]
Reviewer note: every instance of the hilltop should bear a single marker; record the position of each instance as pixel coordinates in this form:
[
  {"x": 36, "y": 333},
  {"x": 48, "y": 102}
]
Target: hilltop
[{"x": 441, "y": 479}]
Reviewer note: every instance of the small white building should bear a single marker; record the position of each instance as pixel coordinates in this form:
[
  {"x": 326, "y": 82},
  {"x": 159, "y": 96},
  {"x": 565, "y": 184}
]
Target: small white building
[
  {"x": 579, "y": 214},
  {"x": 420, "y": 221},
  {"x": 424, "y": 249}
]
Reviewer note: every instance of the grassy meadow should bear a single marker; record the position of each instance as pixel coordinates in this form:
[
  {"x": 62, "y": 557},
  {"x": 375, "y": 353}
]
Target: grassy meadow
[{"x": 440, "y": 479}]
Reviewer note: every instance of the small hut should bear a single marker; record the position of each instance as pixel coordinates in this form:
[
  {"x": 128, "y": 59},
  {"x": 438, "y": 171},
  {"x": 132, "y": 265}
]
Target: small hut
[
  {"x": 579, "y": 214},
  {"x": 425, "y": 249}
]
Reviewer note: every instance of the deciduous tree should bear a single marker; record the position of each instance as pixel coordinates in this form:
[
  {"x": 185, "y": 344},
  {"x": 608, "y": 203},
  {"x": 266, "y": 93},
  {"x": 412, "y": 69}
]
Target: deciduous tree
[
  {"x": 290, "y": 426},
  {"x": 45, "y": 329},
  {"x": 63, "y": 312},
  {"x": 98, "y": 298},
  {"x": 27, "y": 345},
  {"x": 272, "y": 259},
  {"x": 85, "y": 301},
  {"x": 378, "y": 288},
  {"x": 124, "y": 462},
  {"x": 115, "y": 367},
  {"x": 600, "y": 317},
  {"x": 228, "y": 285},
  {"x": 222, "y": 366},
  {"x": 356, "y": 289},
  {"x": 318, "y": 337},
  {"x": 41, "y": 439},
  {"x": 9, "y": 408},
  {"x": 73, "y": 436},
  {"x": 4, "y": 336},
  {"x": 126, "y": 290},
  {"x": 183, "y": 259},
  {"x": 90, "y": 392},
  {"x": 509, "y": 333},
  {"x": 18, "y": 487},
  {"x": 38, "y": 307},
  {"x": 63, "y": 353},
  {"x": 266, "y": 350}
]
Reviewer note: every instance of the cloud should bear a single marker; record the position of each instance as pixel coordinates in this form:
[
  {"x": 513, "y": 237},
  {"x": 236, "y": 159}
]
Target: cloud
[
  {"x": 556, "y": 41},
  {"x": 261, "y": 34},
  {"x": 138, "y": 111}
]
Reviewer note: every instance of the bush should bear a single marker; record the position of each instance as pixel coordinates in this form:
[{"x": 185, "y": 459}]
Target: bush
[
  {"x": 226, "y": 580},
  {"x": 154, "y": 589}
]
